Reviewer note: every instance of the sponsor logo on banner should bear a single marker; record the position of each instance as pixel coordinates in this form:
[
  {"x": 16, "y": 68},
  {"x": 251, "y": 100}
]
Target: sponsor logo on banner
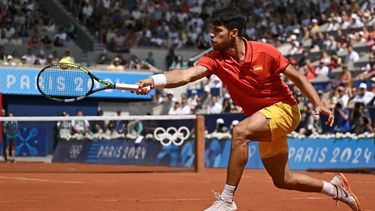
[
  {"x": 304, "y": 154},
  {"x": 31, "y": 141},
  {"x": 122, "y": 152},
  {"x": 171, "y": 135},
  {"x": 75, "y": 150},
  {"x": 331, "y": 156},
  {"x": 331, "y": 153}
]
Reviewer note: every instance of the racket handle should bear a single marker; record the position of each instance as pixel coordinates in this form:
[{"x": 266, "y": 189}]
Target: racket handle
[{"x": 129, "y": 87}]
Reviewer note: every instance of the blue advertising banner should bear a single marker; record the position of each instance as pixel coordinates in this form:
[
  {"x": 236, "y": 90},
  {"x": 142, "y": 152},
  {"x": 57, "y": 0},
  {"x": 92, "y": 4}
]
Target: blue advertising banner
[
  {"x": 23, "y": 81},
  {"x": 304, "y": 154},
  {"x": 147, "y": 152},
  {"x": 71, "y": 151},
  {"x": 331, "y": 153}
]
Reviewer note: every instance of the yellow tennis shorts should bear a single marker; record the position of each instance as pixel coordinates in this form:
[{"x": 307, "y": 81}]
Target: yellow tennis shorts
[{"x": 284, "y": 118}]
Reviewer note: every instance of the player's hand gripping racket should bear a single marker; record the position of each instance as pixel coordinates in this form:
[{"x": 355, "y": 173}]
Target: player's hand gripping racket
[{"x": 67, "y": 82}]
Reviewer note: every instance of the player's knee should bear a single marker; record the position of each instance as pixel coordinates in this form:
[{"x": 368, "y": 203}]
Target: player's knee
[{"x": 240, "y": 136}]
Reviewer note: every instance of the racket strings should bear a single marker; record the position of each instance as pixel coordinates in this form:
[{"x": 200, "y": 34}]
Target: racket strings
[{"x": 65, "y": 81}]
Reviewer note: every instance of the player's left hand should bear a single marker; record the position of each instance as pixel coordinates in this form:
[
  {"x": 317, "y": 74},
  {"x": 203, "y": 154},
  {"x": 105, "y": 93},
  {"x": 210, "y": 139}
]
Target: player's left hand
[{"x": 321, "y": 109}]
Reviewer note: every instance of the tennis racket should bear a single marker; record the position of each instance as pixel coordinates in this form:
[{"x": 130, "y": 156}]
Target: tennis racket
[{"x": 67, "y": 82}]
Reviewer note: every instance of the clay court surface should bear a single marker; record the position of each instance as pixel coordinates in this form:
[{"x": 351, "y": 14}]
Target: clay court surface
[{"x": 103, "y": 187}]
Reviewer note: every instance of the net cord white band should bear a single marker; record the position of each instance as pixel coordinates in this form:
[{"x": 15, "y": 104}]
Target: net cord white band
[{"x": 96, "y": 118}]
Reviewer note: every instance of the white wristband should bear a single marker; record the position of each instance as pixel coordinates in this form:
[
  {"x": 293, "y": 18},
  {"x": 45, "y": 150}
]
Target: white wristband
[{"x": 159, "y": 80}]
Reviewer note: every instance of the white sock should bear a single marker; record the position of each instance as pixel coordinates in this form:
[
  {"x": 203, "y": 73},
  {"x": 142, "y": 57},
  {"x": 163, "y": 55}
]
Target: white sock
[
  {"x": 329, "y": 189},
  {"x": 228, "y": 193}
]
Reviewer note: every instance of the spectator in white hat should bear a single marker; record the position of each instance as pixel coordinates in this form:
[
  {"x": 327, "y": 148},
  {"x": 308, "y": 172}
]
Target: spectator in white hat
[
  {"x": 296, "y": 48},
  {"x": 116, "y": 65},
  {"x": 175, "y": 107},
  {"x": 9, "y": 61},
  {"x": 168, "y": 96},
  {"x": 356, "y": 21},
  {"x": 233, "y": 124},
  {"x": 192, "y": 100},
  {"x": 363, "y": 95},
  {"x": 314, "y": 26},
  {"x": 23, "y": 61},
  {"x": 220, "y": 127}
]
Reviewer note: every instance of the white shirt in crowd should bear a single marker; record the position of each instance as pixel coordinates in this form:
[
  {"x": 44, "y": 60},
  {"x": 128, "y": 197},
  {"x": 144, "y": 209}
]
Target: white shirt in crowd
[
  {"x": 322, "y": 70},
  {"x": 214, "y": 109},
  {"x": 106, "y": 3},
  {"x": 365, "y": 99},
  {"x": 344, "y": 99},
  {"x": 352, "y": 57},
  {"x": 80, "y": 125},
  {"x": 88, "y": 10},
  {"x": 184, "y": 110}
]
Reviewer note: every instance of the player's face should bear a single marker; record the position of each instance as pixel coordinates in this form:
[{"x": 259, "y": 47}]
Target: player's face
[{"x": 220, "y": 37}]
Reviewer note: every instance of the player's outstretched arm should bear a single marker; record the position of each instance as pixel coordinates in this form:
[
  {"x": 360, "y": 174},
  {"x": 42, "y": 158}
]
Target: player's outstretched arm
[
  {"x": 172, "y": 79},
  {"x": 309, "y": 91}
]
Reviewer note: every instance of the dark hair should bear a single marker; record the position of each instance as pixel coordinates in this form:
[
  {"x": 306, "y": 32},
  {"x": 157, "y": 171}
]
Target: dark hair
[{"x": 230, "y": 17}]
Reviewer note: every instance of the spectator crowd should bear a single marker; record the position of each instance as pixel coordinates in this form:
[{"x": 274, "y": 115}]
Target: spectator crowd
[
  {"x": 121, "y": 25},
  {"x": 319, "y": 37},
  {"x": 107, "y": 130},
  {"x": 29, "y": 36}
]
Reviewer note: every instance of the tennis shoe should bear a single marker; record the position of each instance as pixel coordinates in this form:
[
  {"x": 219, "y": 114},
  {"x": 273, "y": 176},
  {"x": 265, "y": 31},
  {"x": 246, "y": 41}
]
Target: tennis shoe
[
  {"x": 344, "y": 193},
  {"x": 221, "y": 205}
]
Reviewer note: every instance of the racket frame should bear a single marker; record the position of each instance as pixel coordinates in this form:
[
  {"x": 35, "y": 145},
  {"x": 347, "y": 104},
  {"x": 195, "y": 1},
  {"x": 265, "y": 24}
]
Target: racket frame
[{"x": 107, "y": 84}]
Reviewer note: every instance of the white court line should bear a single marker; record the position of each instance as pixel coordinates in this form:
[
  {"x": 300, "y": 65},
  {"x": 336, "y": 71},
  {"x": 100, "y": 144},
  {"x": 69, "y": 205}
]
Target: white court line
[
  {"x": 363, "y": 182},
  {"x": 41, "y": 180},
  {"x": 155, "y": 200},
  {"x": 172, "y": 200},
  {"x": 309, "y": 197}
]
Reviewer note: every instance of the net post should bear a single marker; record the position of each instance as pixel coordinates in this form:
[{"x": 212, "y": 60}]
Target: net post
[{"x": 200, "y": 145}]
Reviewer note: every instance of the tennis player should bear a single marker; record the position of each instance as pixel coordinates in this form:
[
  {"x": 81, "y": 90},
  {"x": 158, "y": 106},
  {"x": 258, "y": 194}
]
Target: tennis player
[{"x": 251, "y": 72}]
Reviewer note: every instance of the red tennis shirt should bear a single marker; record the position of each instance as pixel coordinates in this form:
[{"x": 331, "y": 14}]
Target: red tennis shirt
[{"x": 255, "y": 83}]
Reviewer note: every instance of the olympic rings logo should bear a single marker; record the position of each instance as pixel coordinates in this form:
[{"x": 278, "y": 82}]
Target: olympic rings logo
[{"x": 171, "y": 135}]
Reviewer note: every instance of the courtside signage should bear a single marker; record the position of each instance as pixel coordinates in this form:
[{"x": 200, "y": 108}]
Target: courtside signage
[
  {"x": 303, "y": 154},
  {"x": 22, "y": 81},
  {"x": 120, "y": 151},
  {"x": 331, "y": 153}
]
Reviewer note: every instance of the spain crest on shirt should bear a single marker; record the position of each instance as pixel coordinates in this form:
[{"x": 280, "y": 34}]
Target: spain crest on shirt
[{"x": 257, "y": 68}]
